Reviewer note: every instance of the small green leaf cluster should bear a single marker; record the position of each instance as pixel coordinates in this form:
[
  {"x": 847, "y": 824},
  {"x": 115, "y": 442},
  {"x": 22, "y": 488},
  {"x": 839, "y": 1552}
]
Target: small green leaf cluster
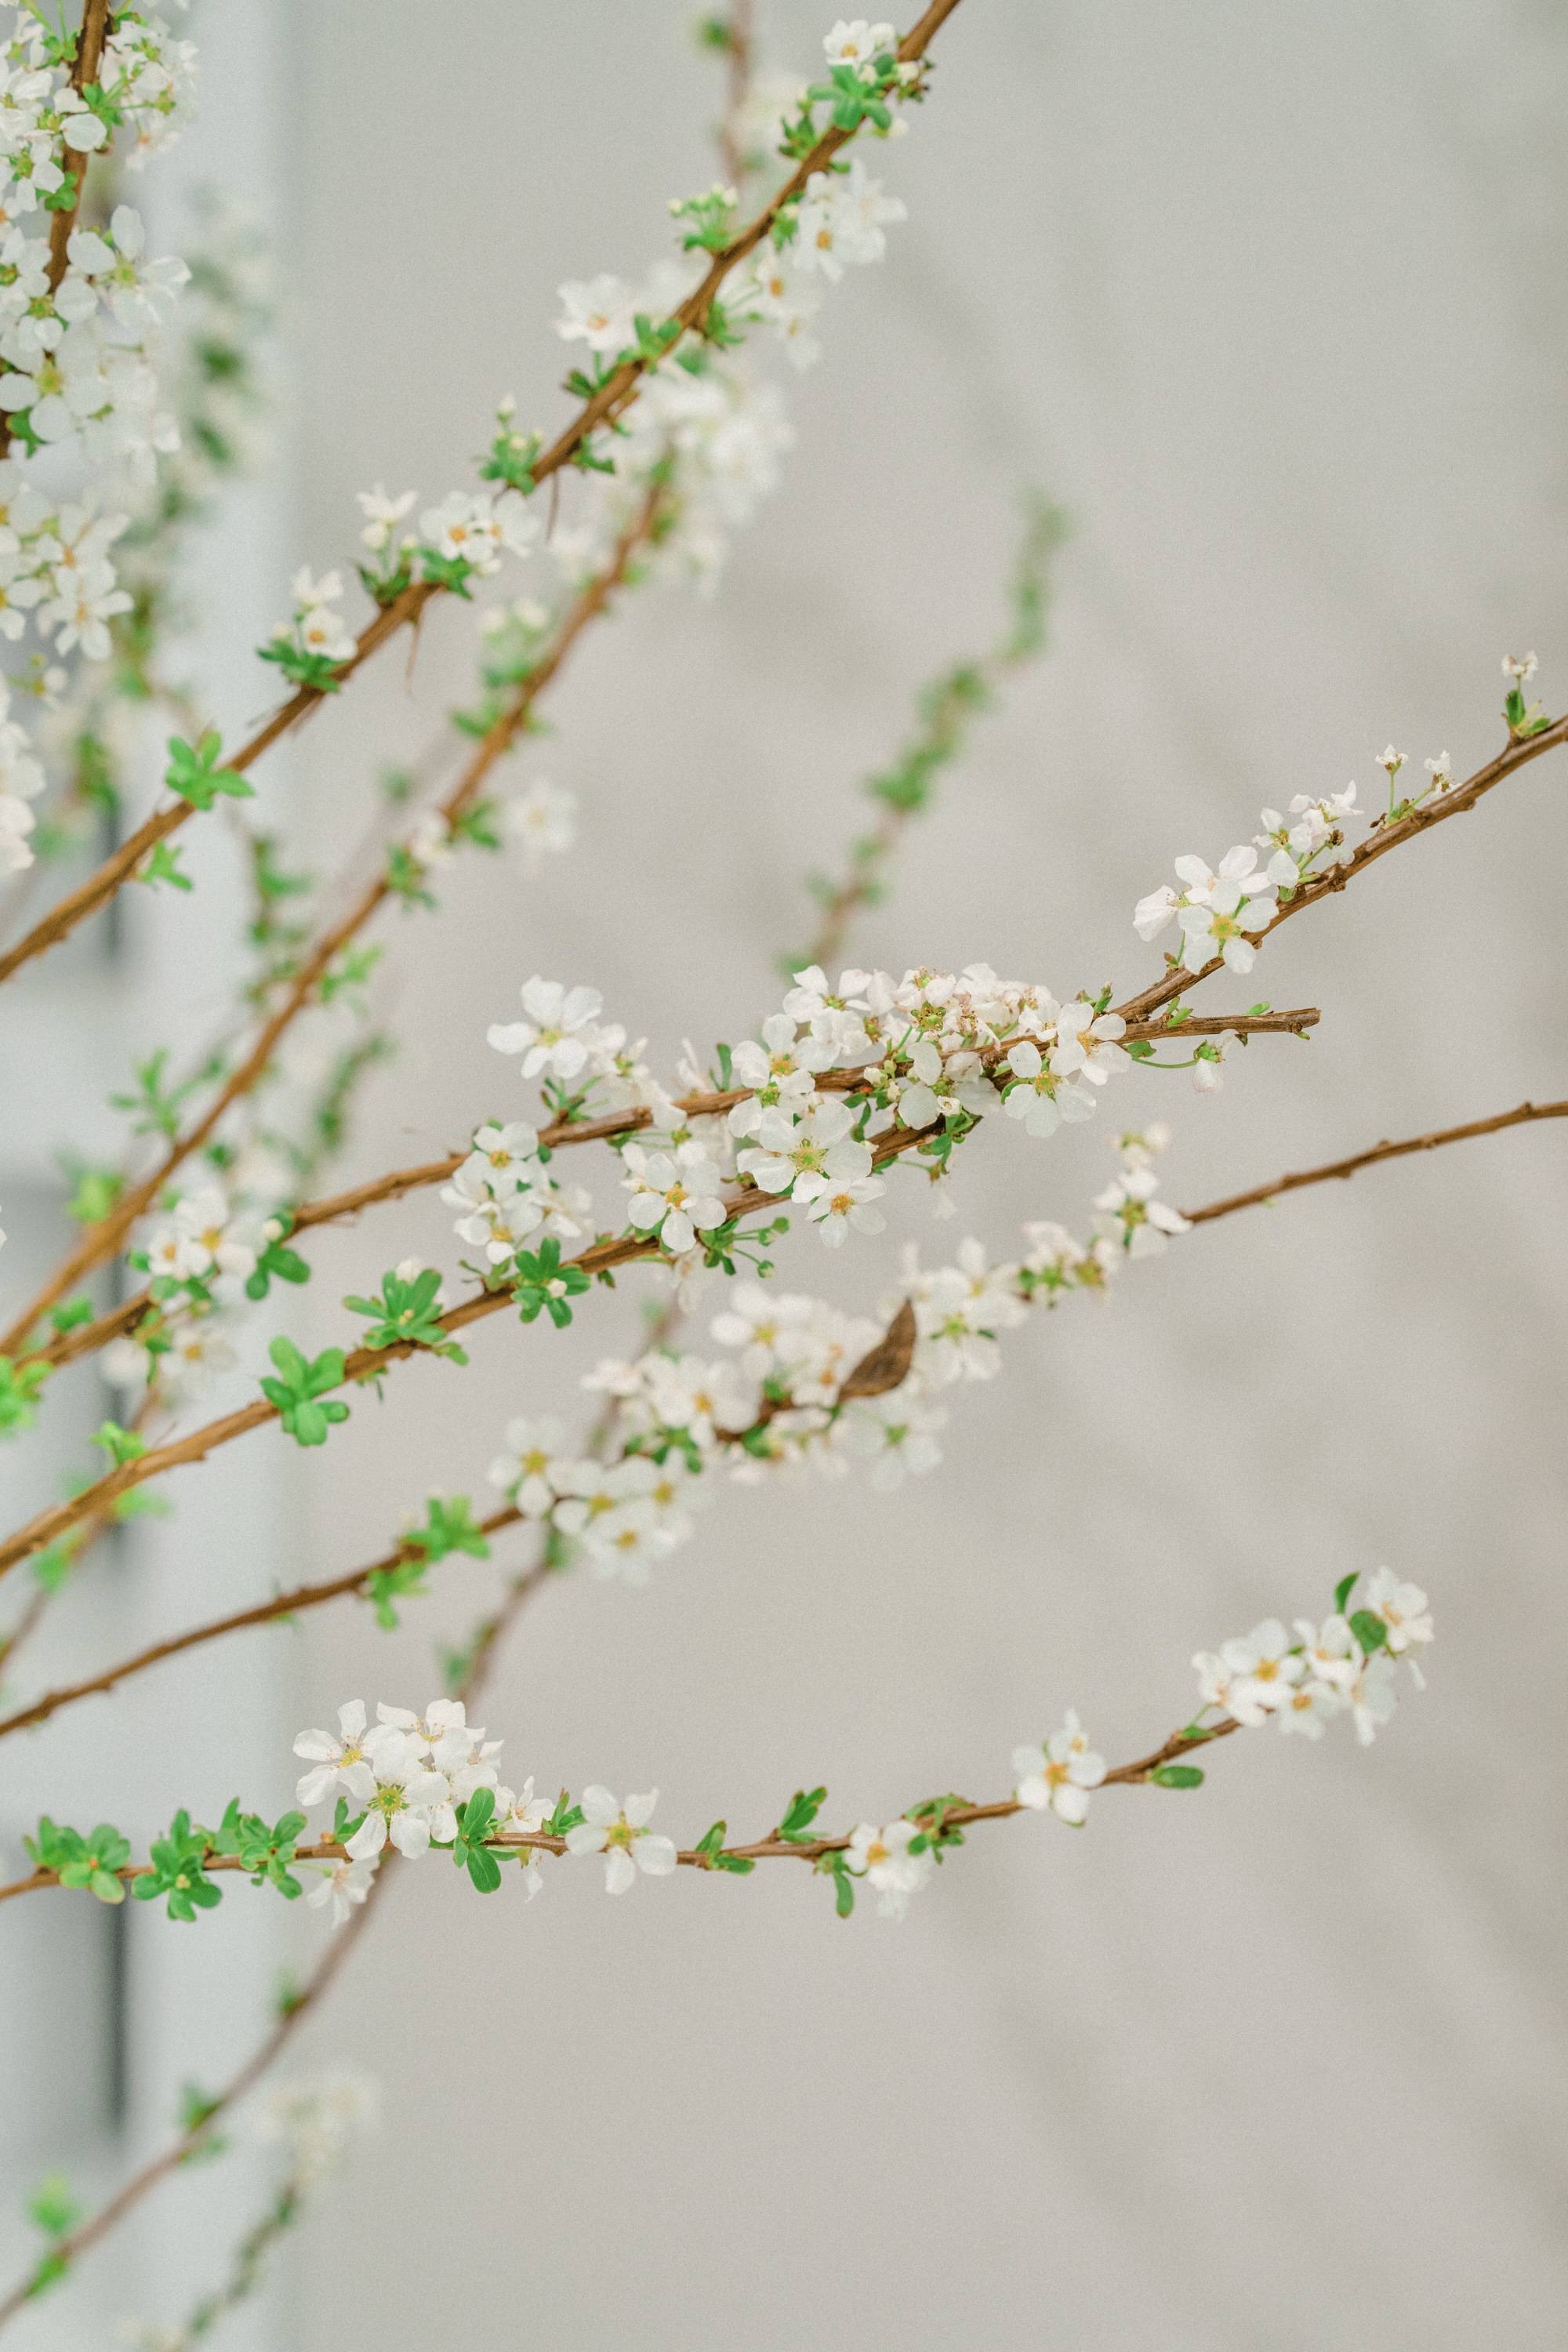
[
  {"x": 91, "y": 1861},
  {"x": 53, "y": 2210},
  {"x": 317, "y": 673},
  {"x": 711, "y": 1845},
  {"x": 154, "y": 1107},
  {"x": 263, "y": 1851},
  {"x": 449, "y": 1527},
  {"x": 300, "y": 1392},
  {"x": 21, "y": 1385},
  {"x": 542, "y": 1284},
  {"x": 195, "y": 775},
  {"x": 178, "y": 1871},
  {"x": 407, "y": 1313},
  {"x": 276, "y": 1262}
]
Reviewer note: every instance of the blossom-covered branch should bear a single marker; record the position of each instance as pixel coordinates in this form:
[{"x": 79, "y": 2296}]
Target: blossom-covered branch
[
  {"x": 521, "y": 464},
  {"x": 413, "y": 1782}
]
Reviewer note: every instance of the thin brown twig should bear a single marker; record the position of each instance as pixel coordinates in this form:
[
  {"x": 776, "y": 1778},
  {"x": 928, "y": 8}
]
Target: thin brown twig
[
  {"x": 1335, "y": 1169},
  {"x": 604, "y": 408}
]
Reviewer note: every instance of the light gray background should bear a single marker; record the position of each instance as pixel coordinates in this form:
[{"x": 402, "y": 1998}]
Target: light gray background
[{"x": 1271, "y": 300}]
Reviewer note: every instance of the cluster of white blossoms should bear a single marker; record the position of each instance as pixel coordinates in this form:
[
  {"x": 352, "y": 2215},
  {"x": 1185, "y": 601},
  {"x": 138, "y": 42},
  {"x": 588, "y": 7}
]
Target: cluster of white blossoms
[
  {"x": 21, "y": 781},
  {"x": 419, "y": 1781},
  {"x": 1347, "y": 1663},
  {"x": 832, "y": 1071},
  {"x": 406, "y": 1775},
  {"x": 1223, "y": 912},
  {"x": 774, "y": 1400},
  {"x": 467, "y": 536},
  {"x": 77, "y": 343},
  {"x": 318, "y": 2118},
  {"x": 198, "y": 1255}
]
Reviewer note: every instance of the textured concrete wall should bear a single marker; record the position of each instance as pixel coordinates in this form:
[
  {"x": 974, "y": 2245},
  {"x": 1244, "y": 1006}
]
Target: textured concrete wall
[{"x": 1271, "y": 300}]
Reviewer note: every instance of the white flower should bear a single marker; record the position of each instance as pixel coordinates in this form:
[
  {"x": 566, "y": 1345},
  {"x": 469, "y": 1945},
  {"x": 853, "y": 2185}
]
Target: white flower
[
  {"x": 623, "y": 1837},
  {"x": 1222, "y": 908},
  {"x": 1134, "y": 1217},
  {"x": 1059, "y": 1776},
  {"x": 626, "y": 1541},
  {"x": 381, "y": 515},
  {"x": 1404, "y": 1611},
  {"x": 598, "y": 312},
  {"x": 593, "y": 1492},
  {"x": 853, "y": 42},
  {"x": 842, "y": 1202},
  {"x": 339, "y": 1763},
  {"x": 406, "y": 1802},
  {"x": 1441, "y": 771},
  {"x": 1519, "y": 668},
  {"x": 1373, "y": 1696},
  {"x": 524, "y": 1812},
  {"x": 509, "y": 1150},
  {"x": 807, "y": 1155},
  {"x": 556, "y": 1038},
  {"x": 780, "y": 1072},
  {"x": 1039, "y": 1098},
  {"x": 1086, "y": 1043},
  {"x": 1306, "y": 1707},
  {"x": 896, "y": 1433},
  {"x": 881, "y": 1857},
  {"x": 532, "y": 1470},
  {"x": 542, "y": 820},
  {"x": 1331, "y": 1654},
  {"x": 342, "y": 1886},
  {"x": 1262, "y": 1671},
  {"x": 675, "y": 1195},
  {"x": 840, "y": 220},
  {"x": 1390, "y": 761},
  {"x": 477, "y": 529}
]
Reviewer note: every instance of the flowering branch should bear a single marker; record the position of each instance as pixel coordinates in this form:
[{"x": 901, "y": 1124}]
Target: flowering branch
[
  {"x": 882, "y": 1371},
  {"x": 81, "y": 1340},
  {"x": 104, "y": 1237},
  {"x": 605, "y": 407},
  {"x": 1405, "y": 821},
  {"x": 429, "y": 1781}
]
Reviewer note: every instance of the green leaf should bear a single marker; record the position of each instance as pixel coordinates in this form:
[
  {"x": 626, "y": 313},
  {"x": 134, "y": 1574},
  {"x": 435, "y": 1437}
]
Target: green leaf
[
  {"x": 803, "y": 1808},
  {"x": 407, "y": 1314},
  {"x": 297, "y": 1392},
  {"x": 163, "y": 865},
  {"x": 1342, "y": 1590},
  {"x": 194, "y": 774},
  {"x": 1369, "y": 1630},
  {"x": 1177, "y": 1776},
  {"x": 51, "y": 2207}
]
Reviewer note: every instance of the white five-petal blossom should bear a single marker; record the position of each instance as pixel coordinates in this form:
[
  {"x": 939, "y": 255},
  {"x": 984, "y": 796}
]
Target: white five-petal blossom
[{"x": 622, "y": 1836}]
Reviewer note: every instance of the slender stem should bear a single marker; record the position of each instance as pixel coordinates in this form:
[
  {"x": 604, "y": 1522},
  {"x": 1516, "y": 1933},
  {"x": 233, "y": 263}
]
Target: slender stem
[
  {"x": 605, "y": 407},
  {"x": 1335, "y": 1169}
]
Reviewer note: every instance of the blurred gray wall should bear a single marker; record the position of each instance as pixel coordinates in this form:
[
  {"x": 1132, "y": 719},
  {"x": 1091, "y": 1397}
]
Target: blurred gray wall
[{"x": 1271, "y": 300}]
